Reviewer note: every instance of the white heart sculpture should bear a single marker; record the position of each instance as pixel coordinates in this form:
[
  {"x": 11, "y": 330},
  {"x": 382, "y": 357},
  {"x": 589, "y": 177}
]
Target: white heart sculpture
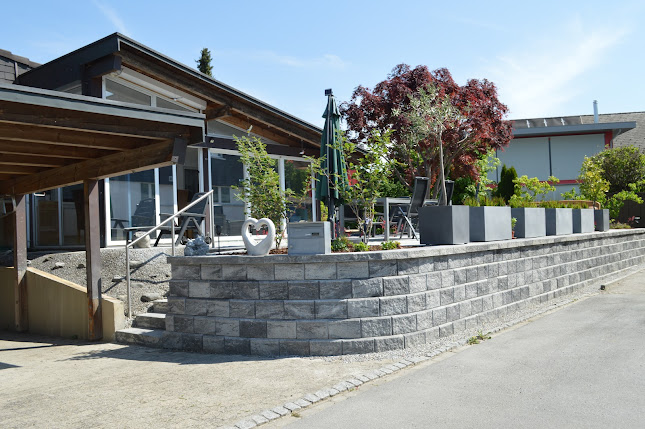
[{"x": 262, "y": 248}]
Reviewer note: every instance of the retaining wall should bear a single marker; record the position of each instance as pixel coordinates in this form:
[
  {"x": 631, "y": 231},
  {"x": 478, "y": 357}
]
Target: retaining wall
[{"x": 375, "y": 301}]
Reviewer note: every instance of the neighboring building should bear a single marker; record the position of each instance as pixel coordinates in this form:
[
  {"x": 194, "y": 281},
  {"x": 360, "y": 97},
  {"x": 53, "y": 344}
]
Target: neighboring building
[
  {"x": 122, "y": 70},
  {"x": 546, "y": 147}
]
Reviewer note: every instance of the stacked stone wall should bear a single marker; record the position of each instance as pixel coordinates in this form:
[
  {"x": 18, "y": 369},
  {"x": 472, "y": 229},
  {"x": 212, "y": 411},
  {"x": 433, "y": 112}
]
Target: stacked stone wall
[{"x": 376, "y": 301}]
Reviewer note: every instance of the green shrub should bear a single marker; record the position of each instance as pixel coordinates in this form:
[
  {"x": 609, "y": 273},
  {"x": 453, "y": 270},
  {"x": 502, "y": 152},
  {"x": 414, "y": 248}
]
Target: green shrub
[
  {"x": 361, "y": 247},
  {"x": 389, "y": 245},
  {"x": 506, "y": 185},
  {"x": 340, "y": 244}
]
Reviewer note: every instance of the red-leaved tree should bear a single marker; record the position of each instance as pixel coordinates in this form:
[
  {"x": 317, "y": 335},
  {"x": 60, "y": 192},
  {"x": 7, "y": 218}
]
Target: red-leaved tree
[{"x": 483, "y": 128}]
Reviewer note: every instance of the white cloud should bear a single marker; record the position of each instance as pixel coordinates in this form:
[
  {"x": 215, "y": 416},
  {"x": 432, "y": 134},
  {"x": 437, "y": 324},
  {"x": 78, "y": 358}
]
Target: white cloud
[
  {"x": 111, "y": 15},
  {"x": 545, "y": 76}
]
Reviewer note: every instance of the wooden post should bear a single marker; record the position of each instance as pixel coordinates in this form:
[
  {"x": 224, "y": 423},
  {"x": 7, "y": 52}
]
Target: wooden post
[
  {"x": 207, "y": 220},
  {"x": 20, "y": 264},
  {"x": 93, "y": 258}
]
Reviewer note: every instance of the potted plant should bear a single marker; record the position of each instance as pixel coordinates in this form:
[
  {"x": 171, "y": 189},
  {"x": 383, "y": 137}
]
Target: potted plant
[
  {"x": 490, "y": 218},
  {"x": 559, "y": 218},
  {"x": 531, "y": 220}
]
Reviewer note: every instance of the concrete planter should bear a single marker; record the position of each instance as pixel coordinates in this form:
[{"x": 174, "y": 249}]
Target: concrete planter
[
  {"x": 490, "y": 223},
  {"x": 531, "y": 222},
  {"x": 559, "y": 221},
  {"x": 309, "y": 238},
  {"x": 601, "y": 219},
  {"x": 444, "y": 224},
  {"x": 583, "y": 220}
]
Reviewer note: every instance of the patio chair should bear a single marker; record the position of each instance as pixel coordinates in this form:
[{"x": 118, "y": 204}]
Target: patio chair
[
  {"x": 406, "y": 216},
  {"x": 143, "y": 218},
  {"x": 187, "y": 221}
]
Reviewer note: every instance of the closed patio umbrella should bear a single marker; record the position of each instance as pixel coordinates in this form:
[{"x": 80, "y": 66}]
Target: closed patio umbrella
[{"x": 335, "y": 177}]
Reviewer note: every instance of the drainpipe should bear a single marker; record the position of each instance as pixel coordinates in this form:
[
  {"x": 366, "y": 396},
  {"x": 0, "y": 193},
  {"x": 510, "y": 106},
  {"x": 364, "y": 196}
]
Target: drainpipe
[{"x": 595, "y": 111}]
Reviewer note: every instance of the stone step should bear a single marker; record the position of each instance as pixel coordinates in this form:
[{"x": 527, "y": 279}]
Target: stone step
[
  {"x": 140, "y": 337},
  {"x": 160, "y": 306},
  {"x": 150, "y": 321}
]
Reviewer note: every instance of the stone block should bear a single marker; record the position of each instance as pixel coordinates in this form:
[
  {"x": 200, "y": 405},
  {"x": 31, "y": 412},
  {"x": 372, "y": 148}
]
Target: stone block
[
  {"x": 294, "y": 348},
  {"x": 169, "y": 322},
  {"x": 364, "y": 307},
  {"x": 178, "y": 288},
  {"x": 476, "y": 305},
  {"x": 269, "y": 310},
  {"x": 227, "y": 327},
  {"x": 416, "y": 302},
  {"x": 446, "y": 330},
  {"x": 382, "y": 268},
  {"x": 432, "y": 334},
  {"x": 260, "y": 272},
  {"x": 196, "y": 307},
  {"x": 299, "y": 310},
  {"x": 213, "y": 344},
  {"x": 415, "y": 339},
  {"x": 303, "y": 289},
  {"x": 183, "y": 324},
  {"x": 376, "y": 327},
  {"x": 472, "y": 289},
  {"x": 289, "y": 271},
  {"x": 273, "y": 290},
  {"x": 221, "y": 289},
  {"x": 353, "y": 270},
  {"x": 472, "y": 274},
  {"x": 281, "y": 329},
  {"x": 204, "y": 325},
  {"x": 336, "y": 309},
  {"x": 307, "y": 330},
  {"x": 367, "y": 288},
  {"x": 399, "y": 285},
  {"x": 459, "y": 260},
  {"x": 241, "y": 308},
  {"x": 447, "y": 278},
  {"x": 408, "y": 266},
  {"x": 211, "y": 272},
  {"x": 389, "y": 343},
  {"x": 320, "y": 271},
  {"x": 234, "y": 272},
  {"x": 426, "y": 265},
  {"x": 390, "y": 305},
  {"x": 199, "y": 289},
  {"x": 433, "y": 298},
  {"x": 460, "y": 276},
  {"x": 363, "y": 345},
  {"x": 345, "y": 329},
  {"x": 434, "y": 280},
  {"x": 245, "y": 290},
  {"x": 438, "y": 316},
  {"x": 447, "y": 296},
  {"x": 176, "y": 305},
  {"x": 218, "y": 308},
  {"x": 335, "y": 289},
  {"x": 185, "y": 272},
  {"x": 325, "y": 347},
  {"x": 264, "y": 347},
  {"x": 452, "y": 312},
  {"x": 253, "y": 329},
  {"x": 424, "y": 320},
  {"x": 191, "y": 342},
  {"x": 465, "y": 309},
  {"x": 417, "y": 283},
  {"x": 237, "y": 346},
  {"x": 404, "y": 324},
  {"x": 459, "y": 293}
]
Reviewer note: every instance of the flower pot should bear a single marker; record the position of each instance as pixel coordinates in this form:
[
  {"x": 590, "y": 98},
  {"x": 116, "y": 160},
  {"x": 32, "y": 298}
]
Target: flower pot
[
  {"x": 530, "y": 222},
  {"x": 601, "y": 219},
  {"x": 490, "y": 223},
  {"x": 583, "y": 220},
  {"x": 559, "y": 221},
  {"x": 444, "y": 224}
]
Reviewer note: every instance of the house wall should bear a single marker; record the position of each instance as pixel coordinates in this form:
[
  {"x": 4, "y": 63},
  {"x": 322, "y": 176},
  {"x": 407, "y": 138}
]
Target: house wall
[
  {"x": 56, "y": 307},
  {"x": 377, "y": 301}
]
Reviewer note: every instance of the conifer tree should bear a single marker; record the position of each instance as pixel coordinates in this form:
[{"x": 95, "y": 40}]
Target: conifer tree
[{"x": 204, "y": 62}]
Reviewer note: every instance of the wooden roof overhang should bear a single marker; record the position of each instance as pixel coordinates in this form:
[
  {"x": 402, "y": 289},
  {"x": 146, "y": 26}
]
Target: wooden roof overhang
[
  {"x": 224, "y": 103},
  {"x": 50, "y": 139}
]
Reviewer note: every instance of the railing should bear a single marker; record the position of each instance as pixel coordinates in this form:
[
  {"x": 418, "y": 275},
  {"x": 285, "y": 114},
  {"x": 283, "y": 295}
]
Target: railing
[{"x": 172, "y": 238}]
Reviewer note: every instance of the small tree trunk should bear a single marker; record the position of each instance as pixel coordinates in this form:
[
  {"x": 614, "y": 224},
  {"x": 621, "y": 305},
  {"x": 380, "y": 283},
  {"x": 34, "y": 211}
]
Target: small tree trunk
[{"x": 443, "y": 201}]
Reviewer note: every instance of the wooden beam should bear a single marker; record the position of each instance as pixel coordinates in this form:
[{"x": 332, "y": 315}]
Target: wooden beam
[
  {"x": 47, "y": 135},
  {"x": 260, "y": 130},
  {"x": 21, "y": 311},
  {"x": 50, "y": 151},
  {"x": 217, "y": 113},
  {"x": 31, "y": 160},
  {"x": 203, "y": 89},
  {"x": 20, "y": 169},
  {"x": 226, "y": 143},
  {"x": 93, "y": 258},
  {"x": 144, "y": 158}
]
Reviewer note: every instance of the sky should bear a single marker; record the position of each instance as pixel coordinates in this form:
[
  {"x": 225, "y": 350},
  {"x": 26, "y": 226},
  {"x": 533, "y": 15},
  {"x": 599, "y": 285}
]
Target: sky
[{"x": 548, "y": 58}]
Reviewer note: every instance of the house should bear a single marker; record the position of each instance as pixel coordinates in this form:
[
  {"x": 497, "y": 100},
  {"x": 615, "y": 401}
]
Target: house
[
  {"x": 125, "y": 72},
  {"x": 543, "y": 147}
]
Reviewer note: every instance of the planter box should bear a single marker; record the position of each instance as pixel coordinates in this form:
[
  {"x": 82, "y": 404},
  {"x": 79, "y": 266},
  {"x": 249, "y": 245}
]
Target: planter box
[
  {"x": 309, "y": 238},
  {"x": 444, "y": 224},
  {"x": 583, "y": 220},
  {"x": 490, "y": 223},
  {"x": 531, "y": 222},
  {"x": 559, "y": 221},
  {"x": 601, "y": 219}
]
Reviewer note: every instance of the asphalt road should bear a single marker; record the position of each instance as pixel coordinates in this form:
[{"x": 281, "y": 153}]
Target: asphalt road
[{"x": 581, "y": 366}]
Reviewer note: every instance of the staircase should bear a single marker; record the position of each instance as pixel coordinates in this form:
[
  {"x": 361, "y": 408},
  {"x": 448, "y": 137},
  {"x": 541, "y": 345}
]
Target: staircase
[{"x": 147, "y": 328}]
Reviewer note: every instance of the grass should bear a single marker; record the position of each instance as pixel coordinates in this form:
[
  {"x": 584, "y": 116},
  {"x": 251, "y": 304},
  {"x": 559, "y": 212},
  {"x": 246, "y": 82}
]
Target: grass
[{"x": 478, "y": 338}]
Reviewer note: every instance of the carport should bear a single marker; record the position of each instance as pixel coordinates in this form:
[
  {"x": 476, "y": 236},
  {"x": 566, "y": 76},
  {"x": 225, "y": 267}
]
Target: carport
[{"x": 50, "y": 139}]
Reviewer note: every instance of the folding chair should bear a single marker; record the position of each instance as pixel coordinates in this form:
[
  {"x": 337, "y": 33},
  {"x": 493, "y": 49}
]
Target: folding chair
[
  {"x": 143, "y": 218},
  {"x": 406, "y": 216},
  {"x": 187, "y": 221}
]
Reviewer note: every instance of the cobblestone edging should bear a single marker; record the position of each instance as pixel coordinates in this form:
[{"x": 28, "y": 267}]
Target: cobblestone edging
[{"x": 377, "y": 301}]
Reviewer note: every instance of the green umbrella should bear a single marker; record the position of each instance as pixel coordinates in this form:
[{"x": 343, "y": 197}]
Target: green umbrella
[{"x": 335, "y": 178}]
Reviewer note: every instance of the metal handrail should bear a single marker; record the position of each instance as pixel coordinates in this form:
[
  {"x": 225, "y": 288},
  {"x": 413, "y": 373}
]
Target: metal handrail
[{"x": 208, "y": 195}]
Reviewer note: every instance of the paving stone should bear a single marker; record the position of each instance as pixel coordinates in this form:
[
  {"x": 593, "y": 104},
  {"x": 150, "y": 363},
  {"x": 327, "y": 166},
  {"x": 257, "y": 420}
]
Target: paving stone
[
  {"x": 341, "y": 387},
  {"x": 356, "y": 382},
  {"x": 292, "y": 406},
  {"x": 246, "y": 424},
  {"x": 303, "y": 402},
  {"x": 259, "y": 419},
  {"x": 363, "y": 378},
  {"x": 311, "y": 397},
  {"x": 281, "y": 411},
  {"x": 270, "y": 415}
]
